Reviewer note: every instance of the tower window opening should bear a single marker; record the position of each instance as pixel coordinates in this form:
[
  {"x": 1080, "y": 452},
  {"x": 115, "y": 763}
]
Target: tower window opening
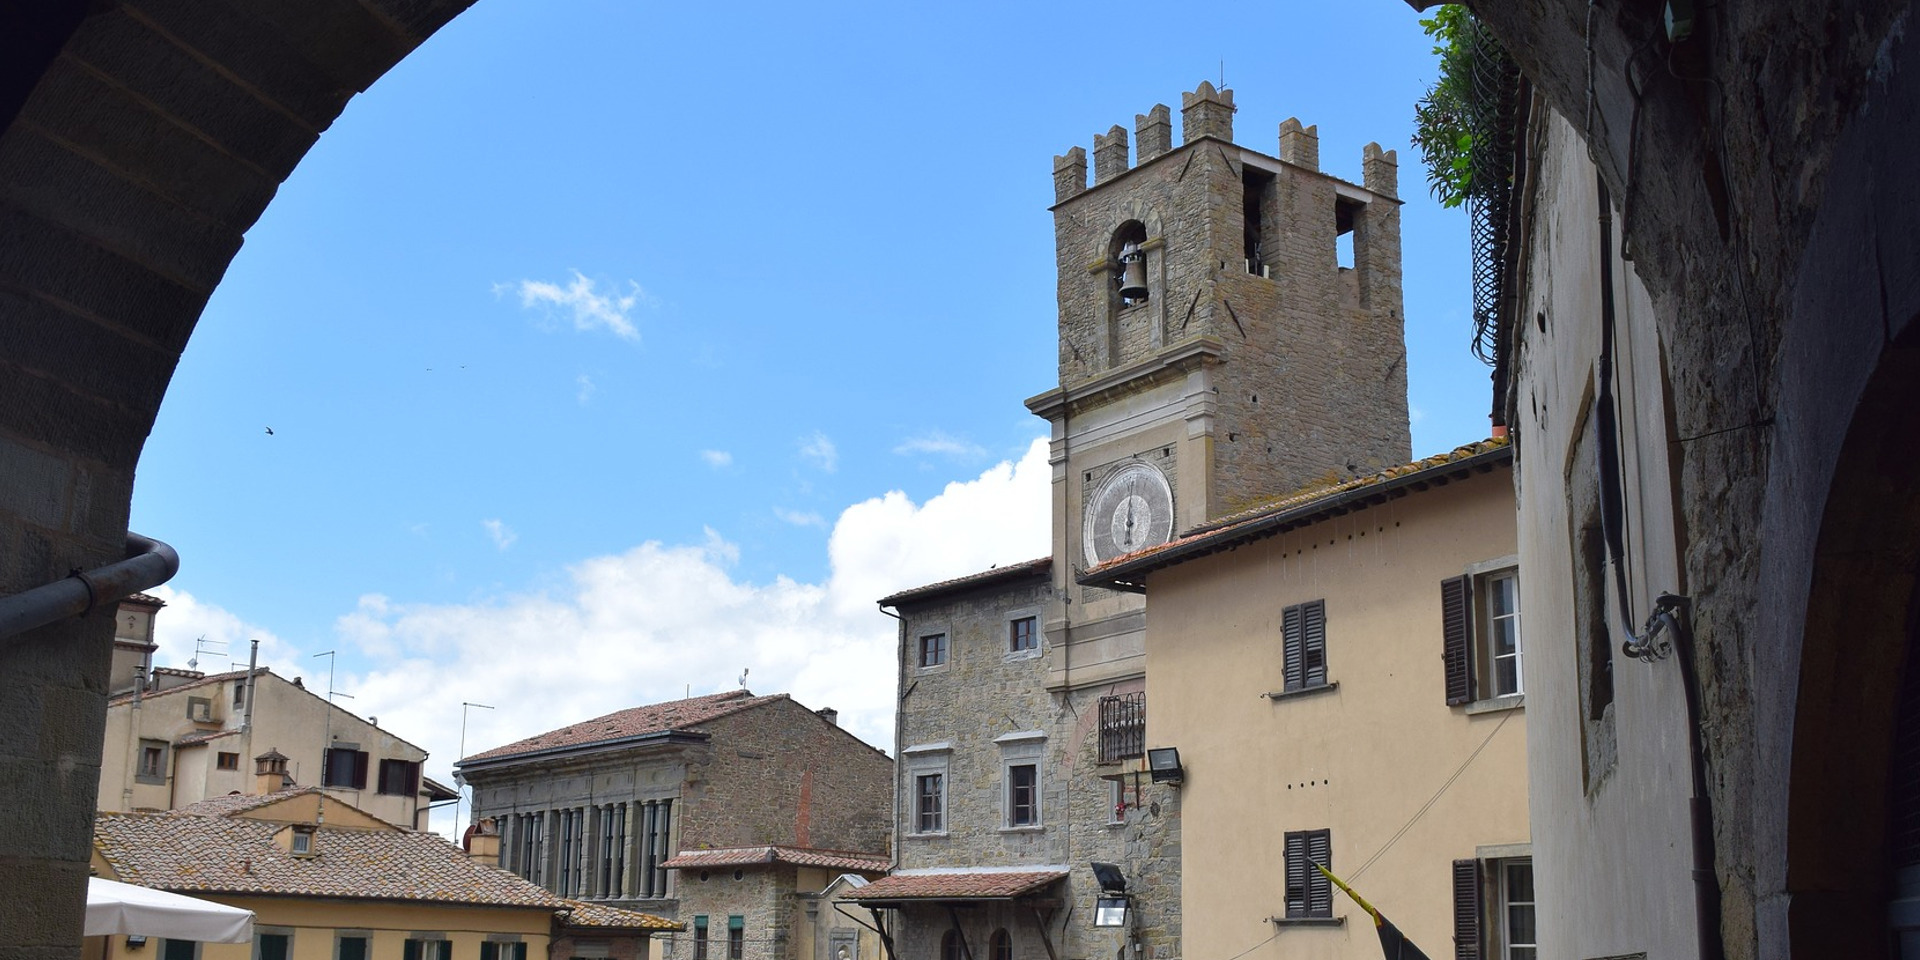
[
  {"x": 1345, "y": 214},
  {"x": 1129, "y": 277},
  {"x": 1255, "y": 195}
]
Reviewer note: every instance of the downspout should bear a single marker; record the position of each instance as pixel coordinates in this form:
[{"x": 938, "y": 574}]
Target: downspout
[
  {"x": 1669, "y": 615},
  {"x": 899, "y": 715},
  {"x": 149, "y": 563}
]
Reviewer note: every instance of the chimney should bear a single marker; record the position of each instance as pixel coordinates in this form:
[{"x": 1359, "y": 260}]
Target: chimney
[
  {"x": 1154, "y": 131},
  {"x": 270, "y": 773},
  {"x": 829, "y": 714},
  {"x": 1109, "y": 154},
  {"x": 1299, "y": 145},
  {"x": 482, "y": 842},
  {"x": 1206, "y": 112}
]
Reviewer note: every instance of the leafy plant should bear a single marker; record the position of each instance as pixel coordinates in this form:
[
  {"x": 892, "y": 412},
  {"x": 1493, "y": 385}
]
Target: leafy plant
[{"x": 1443, "y": 120}]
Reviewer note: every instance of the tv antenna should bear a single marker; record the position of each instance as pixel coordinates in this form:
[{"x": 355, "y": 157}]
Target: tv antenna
[{"x": 202, "y": 645}]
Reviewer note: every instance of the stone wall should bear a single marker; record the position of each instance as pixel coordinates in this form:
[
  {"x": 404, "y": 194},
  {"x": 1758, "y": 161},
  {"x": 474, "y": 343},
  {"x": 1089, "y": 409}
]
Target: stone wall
[{"x": 782, "y": 774}]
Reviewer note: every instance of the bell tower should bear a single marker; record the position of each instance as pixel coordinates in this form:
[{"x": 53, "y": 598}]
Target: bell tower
[{"x": 1230, "y": 331}]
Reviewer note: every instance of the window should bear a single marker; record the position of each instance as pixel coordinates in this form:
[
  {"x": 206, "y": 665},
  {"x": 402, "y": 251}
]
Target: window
[
  {"x": 1303, "y": 636},
  {"x": 300, "y": 843},
  {"x": 239, "y": 694},
  {"x": 929, "y": 803},
  {"x": 345, "y": 766},
  {"x": 352, "y": 945},
  {"x": 653, "y": 821},
  {"x": 427, "y": 946},
  {"x": 227, "y": 761},
  {"x": 1023, "y": 795},
  {"x": 1123, "y": 726},
  {"x": 503, "y": 950},
  {"x": 1000, "y": 947},
  {"x": 1480, "y": 626},
  {"x": 933, "y": 650},
  {"x": 199, "y": 709},
  {"x": 179, "y": 950},
  {"x": 1309, "y": 895},
  {"x": 950, "y": 946},
  {"x": 1116, "y": 801},
  {"x": 1020, "y": 757},
  {"x": 153, "y": 762},
  {"x": 736, "y": 938},
  {"x": 272, "y": 944},
  {"x": 926, "y": 770},
  {"x": 399, "y": 778},
  {"x": 569, "y": 852},
  {"x": 699, "y": 938},
  {"x": 1021, "y": 635},
  {"x": 1516, "y": 902}
]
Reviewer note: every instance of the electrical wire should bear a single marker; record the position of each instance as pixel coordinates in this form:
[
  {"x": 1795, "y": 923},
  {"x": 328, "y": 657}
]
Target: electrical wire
[{"x": 1444, "y": 787}]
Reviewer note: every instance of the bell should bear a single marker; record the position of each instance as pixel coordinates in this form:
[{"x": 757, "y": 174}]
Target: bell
[{"x": 1133, "y": 277}]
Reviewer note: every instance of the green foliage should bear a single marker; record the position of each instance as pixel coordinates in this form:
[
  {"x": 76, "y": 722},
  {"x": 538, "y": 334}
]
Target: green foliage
[{"x": 1443, "y": 122}]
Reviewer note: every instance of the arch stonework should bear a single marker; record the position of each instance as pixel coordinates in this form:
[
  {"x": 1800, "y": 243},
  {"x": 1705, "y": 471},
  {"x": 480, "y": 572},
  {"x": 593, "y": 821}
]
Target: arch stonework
[{"x": 138, "y": 143}]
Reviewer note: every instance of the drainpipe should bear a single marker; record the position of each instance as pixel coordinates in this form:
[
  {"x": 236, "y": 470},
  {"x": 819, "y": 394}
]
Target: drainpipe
[
  {"x": 1669, "y": 615},
  {"x": 149, "y": 563}
]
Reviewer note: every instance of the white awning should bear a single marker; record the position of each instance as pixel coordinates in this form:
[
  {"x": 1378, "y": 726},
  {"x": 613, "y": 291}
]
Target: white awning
[{"x": 122, "y": 908}]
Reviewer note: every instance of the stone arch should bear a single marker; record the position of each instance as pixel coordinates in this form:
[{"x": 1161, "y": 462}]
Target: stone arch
[
  {"x": 1863, "y": 604},
  {"x": 139, "y": 141}
]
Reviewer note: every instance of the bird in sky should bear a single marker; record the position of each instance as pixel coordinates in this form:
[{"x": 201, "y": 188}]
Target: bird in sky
[{"x": 269, "y": 431}]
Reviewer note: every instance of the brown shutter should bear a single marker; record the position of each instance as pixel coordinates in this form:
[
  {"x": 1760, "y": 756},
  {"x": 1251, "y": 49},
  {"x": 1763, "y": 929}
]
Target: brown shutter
[
  {"x": 1466, "y": 910},
  {"x": 1319, "y": 889},
  {"x": 1296, "y": 857},
  {"x": 359, "y": 769},
  {"x": 1314, "y": 626},
  {"x": 1456, "y": 631}
]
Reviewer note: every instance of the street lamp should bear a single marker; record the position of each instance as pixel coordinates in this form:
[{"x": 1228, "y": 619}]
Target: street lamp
[{"x": 459, "y": 781}]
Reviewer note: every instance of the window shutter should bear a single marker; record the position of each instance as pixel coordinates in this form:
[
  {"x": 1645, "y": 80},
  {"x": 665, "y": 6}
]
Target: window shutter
[
  {"x": 1314, "y": 627},
  {"x": 1296, "y": 875},
  {"x": 359, "y": 769},
  {"x": 411, "y": 950},
  {"x": 1292, "y": 647},
  {"x": 1319, "y": 889},
  {"x": 1456, "y": 633},
  {"x": 1466, "y": 910}
]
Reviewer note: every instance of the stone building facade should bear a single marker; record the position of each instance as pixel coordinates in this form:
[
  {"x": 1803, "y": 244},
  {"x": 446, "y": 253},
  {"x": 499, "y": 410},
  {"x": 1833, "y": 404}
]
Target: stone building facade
[{"x": 632, "y": 808}]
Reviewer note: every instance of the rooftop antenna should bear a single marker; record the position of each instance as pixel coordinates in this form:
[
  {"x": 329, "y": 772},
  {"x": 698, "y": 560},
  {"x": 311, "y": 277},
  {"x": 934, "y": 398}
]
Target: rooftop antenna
[
  {"x": 459, "y": 779},
  {"x": 743, "y": 677},
  {"x": 326, "y": 743},
  {"x": 1223, "y": 73},
  {"x": 202, "y": 645}
]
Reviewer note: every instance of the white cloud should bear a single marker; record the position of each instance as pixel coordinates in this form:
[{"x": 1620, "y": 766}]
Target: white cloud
[
  {"x": 659, "y": 620},
  {"x": 223, "y": 639},
  {"x": 940, "y": 443},
  {"x": 717, "y": 458},
  {"x": 501, "y": 534},
  {"x": 585, "y": 389},
  {"x": 591, "y": 310},
  {"x": 799, "y": 518},
  {"x": 821, "y": 451}
]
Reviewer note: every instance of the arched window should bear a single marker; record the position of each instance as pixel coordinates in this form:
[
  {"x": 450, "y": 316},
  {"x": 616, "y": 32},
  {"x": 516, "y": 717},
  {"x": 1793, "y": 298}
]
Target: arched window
[
  {"x": 950, "y": 946},
  {"x": 1002, "y": 945},
  {"x": 1128, "y": 279}
]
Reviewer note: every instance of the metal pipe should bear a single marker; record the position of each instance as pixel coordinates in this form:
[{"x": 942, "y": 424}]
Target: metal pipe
[{"x": 149, "y": 563}]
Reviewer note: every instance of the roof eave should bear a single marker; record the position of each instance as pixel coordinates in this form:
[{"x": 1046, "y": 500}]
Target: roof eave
[{"x": 657, "y": 737}]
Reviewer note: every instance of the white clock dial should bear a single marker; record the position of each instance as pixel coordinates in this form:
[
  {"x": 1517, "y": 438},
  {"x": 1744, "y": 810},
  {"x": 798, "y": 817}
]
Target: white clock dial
[{"x": 1131, "y": 510}]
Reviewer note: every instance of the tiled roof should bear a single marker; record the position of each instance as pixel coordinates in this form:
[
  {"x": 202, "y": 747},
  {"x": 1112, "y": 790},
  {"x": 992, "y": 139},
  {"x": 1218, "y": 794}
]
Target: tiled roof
[
  {"x": 202, "y": 736},
  {"x": 797, "y": 856},
  {"x": 437, "y": 790},
  {"x": 972, "y": 581},
  {"x": 146, "y": 598},
  {"x": 236, "y": 803},
  {"x": 1296, "y": 509},
  {"x": 601, "y": 916},
  {"x": 633, "y": 722},
  {"x": 957, "y": 886},
  {"x": 211, "y": 854},
  {"x": 195, "y": 684}
]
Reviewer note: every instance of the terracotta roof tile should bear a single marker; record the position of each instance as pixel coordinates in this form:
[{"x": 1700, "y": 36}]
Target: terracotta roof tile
[
  {"x": 146, "y": 598},
  {"x": 958, "y": 886},
  {"x": 235, "y": 803},
  {"x": 213, "y": 854},
  {"x": 797, "y": 856},
  {"x": 195, "y": 684},
  {"x": 601, "y": 916},
  {"x": 633, "y": 722},
  {"x": 203, "y": 736},
  {"x": 972, "y": 581}
]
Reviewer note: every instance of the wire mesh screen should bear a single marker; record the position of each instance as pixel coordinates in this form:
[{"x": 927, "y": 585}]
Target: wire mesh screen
[{"x": 1491, "y": 114}]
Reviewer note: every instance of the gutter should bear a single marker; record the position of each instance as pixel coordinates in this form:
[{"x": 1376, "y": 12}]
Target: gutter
[{"x": 149, "y": 563}]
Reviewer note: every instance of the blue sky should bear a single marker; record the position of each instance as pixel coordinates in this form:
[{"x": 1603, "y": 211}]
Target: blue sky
[{"x": 610, "y": 349}]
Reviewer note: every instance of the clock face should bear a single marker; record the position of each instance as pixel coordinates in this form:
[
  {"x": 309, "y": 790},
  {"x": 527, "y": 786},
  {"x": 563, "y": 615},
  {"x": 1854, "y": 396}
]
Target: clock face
[{"x": 1132, "y": 510}]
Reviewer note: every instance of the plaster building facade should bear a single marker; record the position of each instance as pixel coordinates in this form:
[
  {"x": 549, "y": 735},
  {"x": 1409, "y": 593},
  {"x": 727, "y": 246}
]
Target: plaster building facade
[
  {"x": 177, "y": 737},
  {"x": 1340, "y": 671},
  {"x": 638, "y": 809},
  {"x": 327, "y": 881},
  {"x": 1229, "y": 325}
]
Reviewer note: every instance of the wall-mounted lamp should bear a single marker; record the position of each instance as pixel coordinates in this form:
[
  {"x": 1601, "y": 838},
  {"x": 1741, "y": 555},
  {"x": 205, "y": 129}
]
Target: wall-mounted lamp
[
  {"x": 1165, "y": 764},
  {"x": 136, "y": 941},
  {"x": 1110, "y": 908}
]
